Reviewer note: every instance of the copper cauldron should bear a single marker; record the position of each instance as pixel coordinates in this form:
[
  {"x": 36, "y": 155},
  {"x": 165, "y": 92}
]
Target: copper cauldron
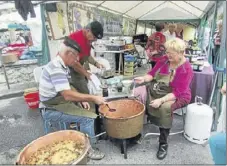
[
  {"x": 53, "y": 137},
  {"x": 127, "y": 121}
]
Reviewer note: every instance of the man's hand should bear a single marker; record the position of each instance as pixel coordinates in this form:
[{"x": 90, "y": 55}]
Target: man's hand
[
  {"x": 100, "y": 66},
  {"x": 156, "y": 103},
  {"x": 86, "y": 105},
  {"x": 99, "y": 100},
  {"x": 88, "y": 76}
]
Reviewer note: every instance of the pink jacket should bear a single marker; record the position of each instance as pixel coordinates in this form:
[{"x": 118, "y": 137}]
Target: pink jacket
[{"x": 181, "y": 81}]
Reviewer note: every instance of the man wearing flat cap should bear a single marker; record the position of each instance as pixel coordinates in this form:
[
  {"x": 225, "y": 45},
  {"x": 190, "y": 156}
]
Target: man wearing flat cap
[
  {"x": 84, "y": 38},
  {"x": 61, "y": 102}
]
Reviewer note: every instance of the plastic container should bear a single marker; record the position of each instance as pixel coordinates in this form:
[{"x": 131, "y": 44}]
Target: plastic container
[{"x": 32, "y": 99}]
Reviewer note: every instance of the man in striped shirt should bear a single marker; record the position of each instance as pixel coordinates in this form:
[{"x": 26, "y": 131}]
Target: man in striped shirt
[{"x": 60, "y": 98}]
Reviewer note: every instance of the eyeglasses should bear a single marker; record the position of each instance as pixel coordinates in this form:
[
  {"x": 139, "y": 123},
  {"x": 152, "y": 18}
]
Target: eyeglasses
[{"x": 171, "y": 53}]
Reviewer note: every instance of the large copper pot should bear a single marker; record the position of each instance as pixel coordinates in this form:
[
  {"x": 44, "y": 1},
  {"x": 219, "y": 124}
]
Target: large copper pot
[
  {"x": 53, "y": 137},
  {"x": 127, "y": 121}
]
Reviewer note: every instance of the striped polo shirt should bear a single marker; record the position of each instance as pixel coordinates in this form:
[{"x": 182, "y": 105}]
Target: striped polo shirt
[{"x": 54, "y": 79}]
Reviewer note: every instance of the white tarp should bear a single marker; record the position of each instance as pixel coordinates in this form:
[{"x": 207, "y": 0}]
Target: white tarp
[
  {"x": 156, "y": 10},
  {"x": 148, "y": 10}
]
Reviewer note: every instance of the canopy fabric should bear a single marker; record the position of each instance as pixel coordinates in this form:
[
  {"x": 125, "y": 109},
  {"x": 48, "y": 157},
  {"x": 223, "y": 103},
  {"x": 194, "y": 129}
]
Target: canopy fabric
[
  {"x": 147, "y": 10},
  {"x": 156, "y": 10}
]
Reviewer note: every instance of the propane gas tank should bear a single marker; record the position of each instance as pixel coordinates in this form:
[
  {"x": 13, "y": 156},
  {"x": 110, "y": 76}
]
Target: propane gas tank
[{"x": 198, "y": 122}]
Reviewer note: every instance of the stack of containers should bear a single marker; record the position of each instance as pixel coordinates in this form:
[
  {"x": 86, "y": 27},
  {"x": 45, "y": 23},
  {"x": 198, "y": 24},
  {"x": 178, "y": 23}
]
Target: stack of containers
[{"x": 129, "y": 64}]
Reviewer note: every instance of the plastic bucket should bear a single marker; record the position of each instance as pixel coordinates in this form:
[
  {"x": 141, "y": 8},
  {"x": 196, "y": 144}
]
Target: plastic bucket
[{"x": 32, "y": 99}]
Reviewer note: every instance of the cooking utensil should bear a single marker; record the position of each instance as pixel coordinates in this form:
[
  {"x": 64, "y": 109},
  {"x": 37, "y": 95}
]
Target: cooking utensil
[
  {"x": 111, "y": 109},
  {"x": 134, "y": 85}
]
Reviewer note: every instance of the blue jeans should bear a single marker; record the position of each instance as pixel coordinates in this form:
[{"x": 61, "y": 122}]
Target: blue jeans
[
  {"x": 218, "y": 148},
  {"x": 86, "y": 124}
]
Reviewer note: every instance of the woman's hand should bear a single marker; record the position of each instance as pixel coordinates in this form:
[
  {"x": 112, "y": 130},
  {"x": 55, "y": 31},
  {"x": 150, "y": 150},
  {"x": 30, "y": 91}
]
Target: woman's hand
[
  {"x": 139, "y": 80},
  {"x": 156, "y": 103}
]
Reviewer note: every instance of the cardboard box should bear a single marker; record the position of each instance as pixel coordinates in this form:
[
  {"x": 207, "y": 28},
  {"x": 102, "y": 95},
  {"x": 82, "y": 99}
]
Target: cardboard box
[
  {"x": 9, "y": 58},
  {"x": 129, "y": 68},
  {"x": 129, "y": 63},
  {"x": 126, "y": 73}
]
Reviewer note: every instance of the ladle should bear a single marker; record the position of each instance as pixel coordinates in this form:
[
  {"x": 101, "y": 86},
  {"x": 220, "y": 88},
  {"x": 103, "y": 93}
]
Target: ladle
[{"x": 111, "y": 109}]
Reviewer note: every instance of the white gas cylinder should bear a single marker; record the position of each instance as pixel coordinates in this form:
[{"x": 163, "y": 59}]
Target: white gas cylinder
[{"x": 198, "y": 122}]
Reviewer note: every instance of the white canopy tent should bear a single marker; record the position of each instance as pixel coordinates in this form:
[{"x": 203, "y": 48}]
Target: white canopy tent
[
  {"x": 142, "y": 11},
  {"x": 156, "y": 10},
  {"x": 146, "y": 10}
]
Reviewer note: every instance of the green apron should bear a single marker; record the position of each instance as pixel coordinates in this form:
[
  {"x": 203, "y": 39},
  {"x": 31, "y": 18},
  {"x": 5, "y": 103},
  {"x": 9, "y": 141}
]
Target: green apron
[
  {"x": 157, "y": 88},
  {"x": 58, "y": 103},
  {"x": 78, "y": 81}
]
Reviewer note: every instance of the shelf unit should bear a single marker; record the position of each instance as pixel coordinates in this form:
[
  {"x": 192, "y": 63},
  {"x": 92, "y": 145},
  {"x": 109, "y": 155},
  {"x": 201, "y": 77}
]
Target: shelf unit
[{"x": 115, "y": 52}]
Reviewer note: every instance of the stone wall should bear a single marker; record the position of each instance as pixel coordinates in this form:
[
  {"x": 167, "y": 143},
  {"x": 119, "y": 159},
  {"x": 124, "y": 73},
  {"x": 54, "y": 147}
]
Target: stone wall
[{"x": 18, "y": 73}]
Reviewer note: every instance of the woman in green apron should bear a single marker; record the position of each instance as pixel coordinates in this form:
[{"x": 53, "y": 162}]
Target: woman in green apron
[{"x": 167, "y": 88}]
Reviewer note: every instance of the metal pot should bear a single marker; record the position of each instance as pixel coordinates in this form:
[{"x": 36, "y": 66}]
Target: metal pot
[
  {"x": 52, "y": 137},
  {"x": 127, "y": 121}
]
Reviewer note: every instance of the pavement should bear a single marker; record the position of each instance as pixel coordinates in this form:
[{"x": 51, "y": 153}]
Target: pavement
[
  {"x": 19, "y": 126},
  {"x": 15, "y": 90}
]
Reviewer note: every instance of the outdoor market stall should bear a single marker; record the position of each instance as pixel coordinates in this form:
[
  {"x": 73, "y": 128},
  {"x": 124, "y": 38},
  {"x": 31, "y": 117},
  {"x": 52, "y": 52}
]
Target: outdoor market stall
[
  {"x": 79, "y": 14},
  {"x": 119, "y": 51}
]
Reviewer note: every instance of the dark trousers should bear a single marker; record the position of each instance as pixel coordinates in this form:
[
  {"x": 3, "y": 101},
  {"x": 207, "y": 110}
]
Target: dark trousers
[{"x": 164, "y": 133}]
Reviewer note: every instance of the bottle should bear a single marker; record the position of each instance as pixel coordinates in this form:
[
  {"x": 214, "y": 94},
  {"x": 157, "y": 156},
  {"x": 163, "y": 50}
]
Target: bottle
[{"x": 105, "y": 91}]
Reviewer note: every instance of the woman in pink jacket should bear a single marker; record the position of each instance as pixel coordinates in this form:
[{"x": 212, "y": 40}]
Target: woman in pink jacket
[{"x": 167, "y": 88}]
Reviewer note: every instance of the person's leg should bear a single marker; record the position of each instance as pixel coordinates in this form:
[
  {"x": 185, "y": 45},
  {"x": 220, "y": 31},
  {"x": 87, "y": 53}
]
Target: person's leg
[
  {"x": 163, "y": 143},
  {"x": 86, "y": 124},
  {"x": 218, "y": 148},
  {"x": 164, "y": 133}
]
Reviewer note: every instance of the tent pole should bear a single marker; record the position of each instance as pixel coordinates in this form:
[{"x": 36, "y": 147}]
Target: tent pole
[
  {"x": 136, "y": 26},
  {"x": 220, "y": 71},
  {"x": 212, "y": 32},
  {"x": 145, "y": 27}
]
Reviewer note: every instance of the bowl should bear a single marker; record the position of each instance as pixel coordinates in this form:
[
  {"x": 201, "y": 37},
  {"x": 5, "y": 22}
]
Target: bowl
[{"x": 127, "y": 83}]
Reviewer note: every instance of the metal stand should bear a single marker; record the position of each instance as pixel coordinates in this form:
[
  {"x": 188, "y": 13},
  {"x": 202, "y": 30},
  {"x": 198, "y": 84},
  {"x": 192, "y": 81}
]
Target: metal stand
[
  {"x": 124, "y": 148},
  {"x": 6, "y": 78},
  {"x": 172, "y": 133},
  {"x": 4, "y": 69}
]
